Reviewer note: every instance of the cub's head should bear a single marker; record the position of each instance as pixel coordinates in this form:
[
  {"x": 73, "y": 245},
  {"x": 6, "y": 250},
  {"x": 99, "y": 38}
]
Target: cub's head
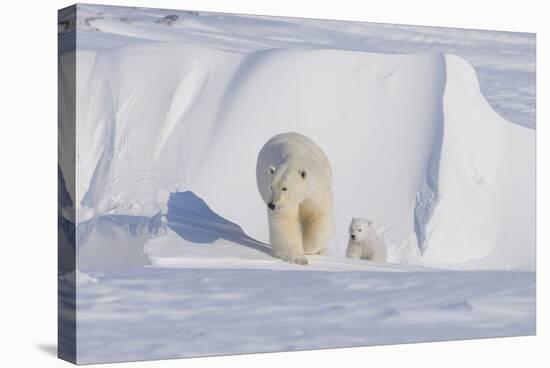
[
  {"x": 358, "y": 229},
  {"x": 288, "y": 186}
]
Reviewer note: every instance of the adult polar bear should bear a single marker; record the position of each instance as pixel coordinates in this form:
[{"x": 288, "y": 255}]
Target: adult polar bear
[{"x": 295, "y": 181}]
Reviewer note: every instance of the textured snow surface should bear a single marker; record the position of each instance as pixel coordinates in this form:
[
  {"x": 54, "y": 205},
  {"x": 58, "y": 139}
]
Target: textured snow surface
[
  {"x": 159, "y": 313},
  {"x": 505, "y": 61},
  {"x": 172, "y": 108}
]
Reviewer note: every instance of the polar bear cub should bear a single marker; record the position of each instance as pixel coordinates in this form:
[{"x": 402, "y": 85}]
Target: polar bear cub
[
  {"x": 364, "y": 243},
  {"x": 295, "y": 181}
]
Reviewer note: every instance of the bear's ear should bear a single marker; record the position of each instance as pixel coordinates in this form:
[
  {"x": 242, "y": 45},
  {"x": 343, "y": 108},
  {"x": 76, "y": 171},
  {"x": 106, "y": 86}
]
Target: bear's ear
[
  {"x": 302, "y": 173},
  {"x": 271, "y": 170},
  {"x": 369, "y": 222}
]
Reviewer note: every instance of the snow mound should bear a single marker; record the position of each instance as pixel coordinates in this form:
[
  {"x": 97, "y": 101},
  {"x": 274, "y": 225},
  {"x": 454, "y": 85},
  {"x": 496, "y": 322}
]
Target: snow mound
[
  {"x": 112, "y": 242},
  {"x": 486, "y": 216},
  {"x": 412, "y": 142}
]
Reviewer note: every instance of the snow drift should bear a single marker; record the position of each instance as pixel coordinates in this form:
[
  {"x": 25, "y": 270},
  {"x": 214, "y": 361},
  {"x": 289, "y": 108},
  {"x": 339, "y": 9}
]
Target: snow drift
[
  {"x": 183, "y": 104},
  {"x": 413, "y": 143}
]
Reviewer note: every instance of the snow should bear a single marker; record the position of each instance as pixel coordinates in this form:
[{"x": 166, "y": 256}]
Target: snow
[
  {"x": 172, "y": 109},
  {"x": 505, "y": 61},
  {"x": 80, "y": 278},
  {"x": 480, "y": 167},
  {"x": 161, "y": 123},
  {"x": 112, "y": 242},
  {"x": 155, "y": 313}
]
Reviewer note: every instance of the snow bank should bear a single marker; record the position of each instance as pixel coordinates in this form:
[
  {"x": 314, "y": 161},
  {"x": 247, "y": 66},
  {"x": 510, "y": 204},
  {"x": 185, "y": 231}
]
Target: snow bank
[
  {"x": 413, "y": 143},
  {"x": 111, "y": 242},
  {"x": 486, "y": 215}
]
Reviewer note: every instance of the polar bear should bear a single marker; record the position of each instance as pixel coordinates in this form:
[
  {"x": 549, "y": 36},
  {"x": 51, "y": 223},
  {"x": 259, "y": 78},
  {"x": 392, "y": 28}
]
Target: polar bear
[
  {"x": 364, "y": 243},
  {"x": 295, "y": 181}
]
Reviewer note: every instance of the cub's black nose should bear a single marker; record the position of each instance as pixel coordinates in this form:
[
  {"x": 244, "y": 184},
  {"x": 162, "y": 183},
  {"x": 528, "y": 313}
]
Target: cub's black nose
[
  {"x": 271, "y": 205},
  {"x": 353, "y": 237}
]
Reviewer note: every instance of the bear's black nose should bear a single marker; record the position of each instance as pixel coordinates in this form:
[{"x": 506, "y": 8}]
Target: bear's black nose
[
  {"x": 353, "y": 237},
  {"x": 271, "y": 205}
]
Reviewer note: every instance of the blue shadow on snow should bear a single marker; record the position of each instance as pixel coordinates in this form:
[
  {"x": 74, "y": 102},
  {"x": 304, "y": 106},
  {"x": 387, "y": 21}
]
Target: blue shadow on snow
[{"x": 192, "y": 219}]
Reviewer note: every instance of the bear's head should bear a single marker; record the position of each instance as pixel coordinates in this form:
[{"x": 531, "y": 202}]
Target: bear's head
[
  {"x": 288, "y": 186},
  {"x": 358, "y": 229}
]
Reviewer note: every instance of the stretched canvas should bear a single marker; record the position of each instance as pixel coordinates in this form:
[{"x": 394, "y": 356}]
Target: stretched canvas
[{"x": 234, "y": 184}]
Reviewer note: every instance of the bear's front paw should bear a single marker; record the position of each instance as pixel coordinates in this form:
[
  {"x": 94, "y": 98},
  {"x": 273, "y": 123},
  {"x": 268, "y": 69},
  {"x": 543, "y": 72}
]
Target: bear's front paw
[
  {"x": 301, "y": 260},
  {"x": 291, "y": 258}
]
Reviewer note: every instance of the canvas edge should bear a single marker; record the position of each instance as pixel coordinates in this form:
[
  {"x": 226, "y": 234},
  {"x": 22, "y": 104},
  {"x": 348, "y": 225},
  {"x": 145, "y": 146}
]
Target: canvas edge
[{"x": 66, "y": 243}]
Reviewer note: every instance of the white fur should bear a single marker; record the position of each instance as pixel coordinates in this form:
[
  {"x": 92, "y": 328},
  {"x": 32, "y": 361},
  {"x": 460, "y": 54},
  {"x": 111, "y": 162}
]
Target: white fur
[
  {"x": 364, "y": 243},
  {"x": 303, "y": 220}
]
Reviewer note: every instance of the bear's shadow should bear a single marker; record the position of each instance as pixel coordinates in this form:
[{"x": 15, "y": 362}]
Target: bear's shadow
[{"x": 191, "y": 218}]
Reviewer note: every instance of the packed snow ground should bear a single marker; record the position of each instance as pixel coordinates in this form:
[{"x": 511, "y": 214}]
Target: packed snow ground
[
  {"x": 172, "y": 108},
  {"x": 154, "y": 313}
]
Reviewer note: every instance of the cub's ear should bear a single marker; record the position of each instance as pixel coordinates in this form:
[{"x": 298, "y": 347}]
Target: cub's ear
[
  {"x": 271, "y": 170},
  {"x": 369, "y": 222},
  {"x": 302, "y": 174}
]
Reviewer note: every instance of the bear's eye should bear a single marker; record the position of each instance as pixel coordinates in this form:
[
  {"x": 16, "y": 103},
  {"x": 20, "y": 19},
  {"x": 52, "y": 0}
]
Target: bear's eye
[
  {"x": 359, "y": 230},
  {"x": 271, "y": 188},
  {"x": 284, "y": 189}
]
